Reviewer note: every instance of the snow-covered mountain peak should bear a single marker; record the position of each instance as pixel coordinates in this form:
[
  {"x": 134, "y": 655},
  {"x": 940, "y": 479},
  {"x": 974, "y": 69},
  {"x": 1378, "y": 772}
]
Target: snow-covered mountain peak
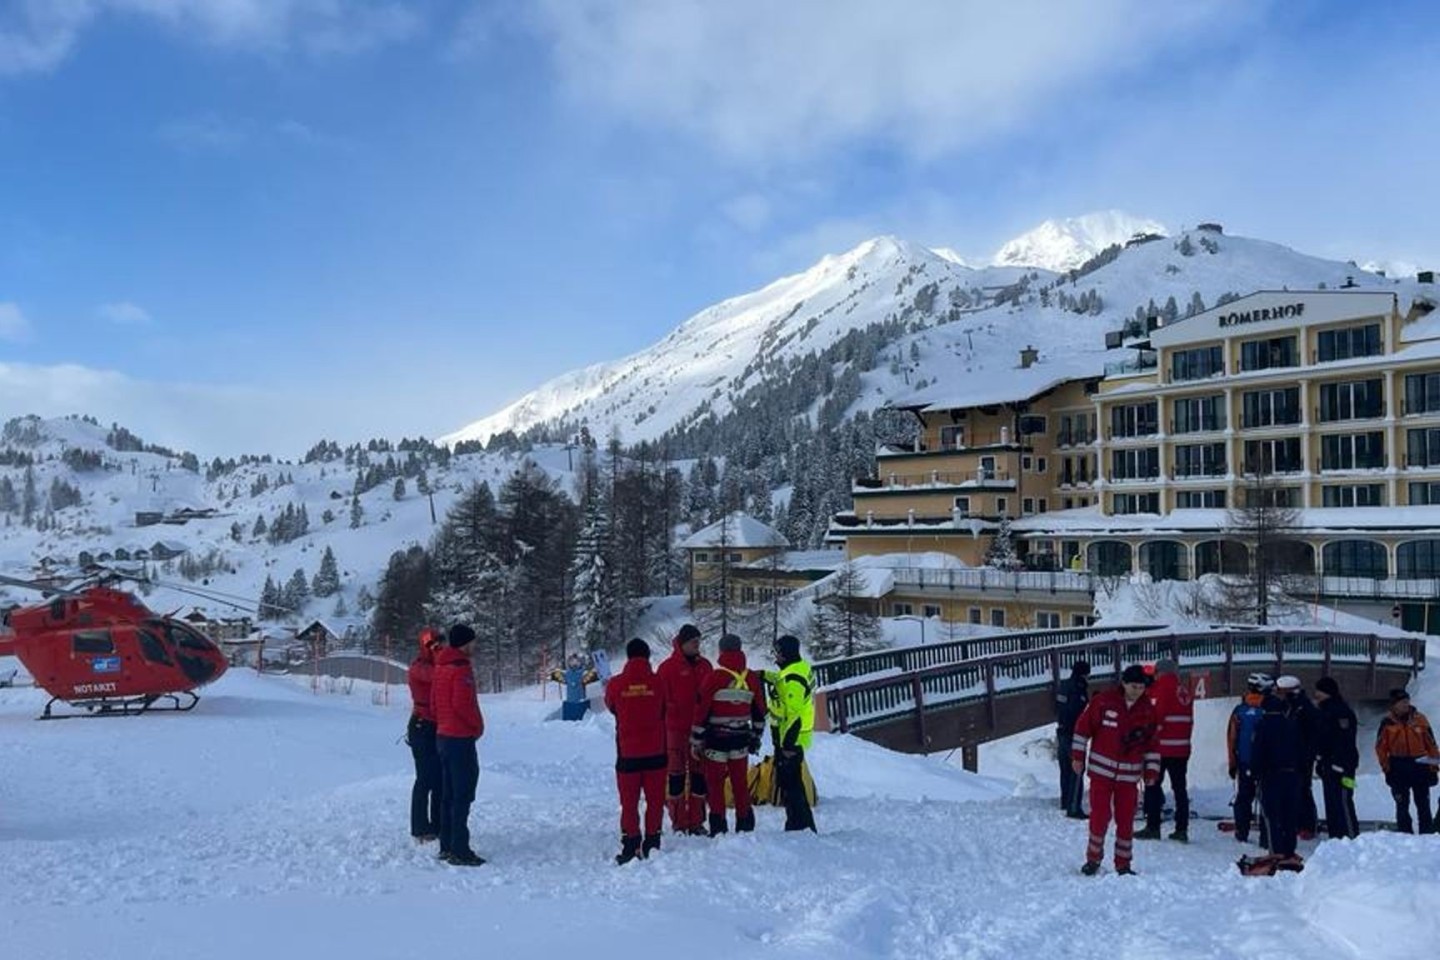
[{"x": 1061, "y": 245}]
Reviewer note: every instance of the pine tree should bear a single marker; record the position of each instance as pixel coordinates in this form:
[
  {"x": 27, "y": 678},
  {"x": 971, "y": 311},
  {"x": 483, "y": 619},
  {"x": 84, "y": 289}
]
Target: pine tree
[
  {"x": 29, "y": 500},
  {"x": 327, "y": 578},
  {"x": 258, "y": 531},
  {"x": 398, "y": 492},
  {"x": 271, "y": 601},
  {"x": 841, "y": 627},
  {"x": 9, "y": 500},
  {"x": 1001, "y": 554},
  {"x": 296, "y": 591},
  {"x": 357, "y": 512}
]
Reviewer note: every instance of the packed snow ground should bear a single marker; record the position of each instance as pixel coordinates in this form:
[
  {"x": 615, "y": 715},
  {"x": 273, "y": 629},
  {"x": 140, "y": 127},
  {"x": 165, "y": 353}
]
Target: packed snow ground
[{"x": 272, "y": 821}]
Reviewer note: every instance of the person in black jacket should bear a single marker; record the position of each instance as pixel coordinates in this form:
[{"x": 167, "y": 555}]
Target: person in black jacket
[
  {"x": 1298, "y": 705},
  {"x": 1070, "y": 702},
  {"x": 1337, "y": 758},
  {"x": 1276, "y": 757}
]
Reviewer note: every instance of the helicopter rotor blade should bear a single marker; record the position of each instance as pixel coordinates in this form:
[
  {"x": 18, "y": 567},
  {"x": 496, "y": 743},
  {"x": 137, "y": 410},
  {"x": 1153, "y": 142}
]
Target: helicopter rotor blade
[{"x": 45, "y": 589}]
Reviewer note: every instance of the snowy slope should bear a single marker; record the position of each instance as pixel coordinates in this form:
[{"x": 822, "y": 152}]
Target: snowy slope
[
  {"x": 958, "y": 323},
  {"x": 272, "y": 822}
]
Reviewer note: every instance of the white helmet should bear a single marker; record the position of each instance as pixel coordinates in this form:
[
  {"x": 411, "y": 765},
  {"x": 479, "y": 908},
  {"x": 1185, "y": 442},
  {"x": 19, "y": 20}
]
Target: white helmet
[{"x": 1259, "y": 683}]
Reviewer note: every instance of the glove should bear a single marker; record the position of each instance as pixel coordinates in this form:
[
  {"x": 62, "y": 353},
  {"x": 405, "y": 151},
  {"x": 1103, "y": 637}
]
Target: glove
[{"x": 1348, "y": 783}]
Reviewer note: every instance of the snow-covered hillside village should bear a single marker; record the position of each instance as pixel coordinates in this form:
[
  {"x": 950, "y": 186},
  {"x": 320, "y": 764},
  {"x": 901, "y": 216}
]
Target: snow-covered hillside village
[{"x": 895, "y": 450}]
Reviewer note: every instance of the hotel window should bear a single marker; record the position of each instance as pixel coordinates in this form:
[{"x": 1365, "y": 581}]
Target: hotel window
[
  {"x": 1027, "y": 506},
  {"x": 1269, "y": 408},
  {"x": 1043, "y": 505},
  {"x": 701, "y": 557},
  {"x": 1269, "y": 354},
  {"x": 1363, "y": 341},
  {"x": 1200, "y": 460},
  {"x": 931, "y": 610},
  {"x": 747, "y": 594},
  {"x": 1422, "y": 393},
  {"x": 1135, "y": 420},
  {"x": 1200, "y": 500},
  {"x": 1352, "y": 400},
  {"x": 1126, "y": 503},
  {"x": 1364, "y": 495},
  {"x": 1281, "y": 455},
  {"x": 1422, "y": 448},
  {"x": 1272, "y": 497},
  {"x": 1040, "y": 465},
  {"x": 901, "y": 610},
  {"x": 1425, "y": 493},
  {"x": 1002, "y": 506},
  {"x": 997, "y": 617},
  {"x": 962, "y": 505},
  {"x": 952, "y": 437},
  {"x": 1194, "y": 414},
  {"x": 1141, "y": 464},
  {"x": 976, "y": 616},
  {"x": 1081, "y": 620},
  {"x": 1047, "y": 620},
  {"x": 1353, "y": 451},
  {"x": 1197, "y": 363},
  {"x": 1027, "y": 464}
]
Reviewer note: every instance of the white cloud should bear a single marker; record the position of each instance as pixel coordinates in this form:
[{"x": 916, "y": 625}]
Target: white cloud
[
  {"x": 761, "y": 80},
  {"x": 125, "y": 313},
  {"x": 37, "y": 35},
  {"x": 13, "y": 325}
]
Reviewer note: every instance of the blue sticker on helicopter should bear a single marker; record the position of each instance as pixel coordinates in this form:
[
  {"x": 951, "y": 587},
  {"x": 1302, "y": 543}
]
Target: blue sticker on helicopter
[{"x": 105, "y": 665}]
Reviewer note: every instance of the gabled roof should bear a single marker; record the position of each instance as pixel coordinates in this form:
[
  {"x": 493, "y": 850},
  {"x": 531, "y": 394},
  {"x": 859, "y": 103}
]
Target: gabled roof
[
  {"x": 738, "y": 530},
  {"x": 996, "y": 386}
]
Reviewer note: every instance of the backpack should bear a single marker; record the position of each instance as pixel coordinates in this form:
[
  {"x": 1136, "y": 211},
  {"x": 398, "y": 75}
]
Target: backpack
[
  {"x": 1249, "y": 716},
  {"x": 1269, "y": 865}
]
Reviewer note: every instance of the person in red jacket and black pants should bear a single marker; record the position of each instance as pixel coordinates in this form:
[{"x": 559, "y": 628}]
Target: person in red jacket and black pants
[
  {"x": 681, "y": 675},
  {"x": 420, "y": 735},
  {"x": 1174, "y": 719},
  {"x": 1118, "y": 730},
  {"x": 635, "y": 698},
  {"x": 458, "y": 724}
]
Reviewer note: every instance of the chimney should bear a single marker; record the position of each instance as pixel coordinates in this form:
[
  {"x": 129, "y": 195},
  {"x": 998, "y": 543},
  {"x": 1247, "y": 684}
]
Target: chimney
[{"x": 1028, "y": 356}]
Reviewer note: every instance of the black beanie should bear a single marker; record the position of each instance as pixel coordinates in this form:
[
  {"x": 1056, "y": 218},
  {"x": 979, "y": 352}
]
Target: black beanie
[
  {"x": 1328, "y": 686},
  {"x": 1081, "y": 668},
  {"x": 689, "y": 632},
  {"x": 1133, "y": 674},
  {"x": 787, "y": 648},
  {"x": 460, "y": 635},
  {"x": 637, "y": 648}
]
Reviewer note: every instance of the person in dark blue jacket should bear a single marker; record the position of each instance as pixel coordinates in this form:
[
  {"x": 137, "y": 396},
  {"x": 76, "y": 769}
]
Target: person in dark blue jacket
[
  {"x": 1070, "y": 702},
  {"x": 1276, "y": 757},
  {"x": 1337, "y": 758}
]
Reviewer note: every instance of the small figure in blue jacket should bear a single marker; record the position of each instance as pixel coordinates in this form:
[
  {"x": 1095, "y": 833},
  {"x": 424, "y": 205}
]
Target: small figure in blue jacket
[{"x": 574, "y": 678}]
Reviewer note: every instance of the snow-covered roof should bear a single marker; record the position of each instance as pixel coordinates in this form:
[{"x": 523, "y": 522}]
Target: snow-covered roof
[
  {"x": 994, "y": 386},
  {"x": 1315, "y": 520},
  {"x": 875, "y": 573},
  {"x": 802, "y": 560},
  {"x": 738, "y": 530}
]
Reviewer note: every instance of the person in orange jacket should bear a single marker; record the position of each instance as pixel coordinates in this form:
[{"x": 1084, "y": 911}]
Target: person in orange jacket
[
  {"x": 681, "y": 676},
  {"x": 1117, "y": 730},
  {"x": 636, "y": 699},
  {"x": 1405, "y": 746}
]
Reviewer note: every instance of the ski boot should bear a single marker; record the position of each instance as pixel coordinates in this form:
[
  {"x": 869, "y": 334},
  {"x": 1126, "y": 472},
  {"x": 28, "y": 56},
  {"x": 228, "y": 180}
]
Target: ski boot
[
  {"x": 718, "y": 824},
  {"x": 651, "y": 843},
  {"x": 1091, "y": 868},
  {"x": 1180, "y": 835},
  {"x": 745, "y": 824},
  {"x": 1125, "y": 871},
  {"x": 1149, "y": 833},
  {"x": 467, "y": 859},
  {"x": 629, "y": 850}
]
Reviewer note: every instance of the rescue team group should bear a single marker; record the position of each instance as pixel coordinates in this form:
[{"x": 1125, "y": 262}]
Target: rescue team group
[
  {"x": 681, "y": 732},
  {"x": 1277, "y": 738}
]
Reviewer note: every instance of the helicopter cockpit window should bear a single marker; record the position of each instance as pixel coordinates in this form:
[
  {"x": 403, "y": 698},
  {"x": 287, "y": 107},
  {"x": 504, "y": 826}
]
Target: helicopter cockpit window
[
  {"x": 153, "y": 649},
  {"x": 92, "y": 642},
  {"x": 187, "y": 638}
]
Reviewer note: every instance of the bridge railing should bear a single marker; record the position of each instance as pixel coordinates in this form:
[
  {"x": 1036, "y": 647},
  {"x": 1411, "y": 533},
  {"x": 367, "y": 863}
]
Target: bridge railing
[
  {"x": 910, "y": 659},
  {"x": 868, "y": 702}
]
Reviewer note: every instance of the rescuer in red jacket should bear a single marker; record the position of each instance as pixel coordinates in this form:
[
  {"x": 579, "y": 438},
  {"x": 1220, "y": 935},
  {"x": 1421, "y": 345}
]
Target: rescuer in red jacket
[
  {"x": 458, "y": 724},
  {"x": 1118, "y": 729},
  {"x": 1174, "y": 719},
  {"x": 636, "y": 699},
  {"x": 420, "y": 735},
  {"x": 728, "y": 725},
  {"x": 680, "y": 677}
]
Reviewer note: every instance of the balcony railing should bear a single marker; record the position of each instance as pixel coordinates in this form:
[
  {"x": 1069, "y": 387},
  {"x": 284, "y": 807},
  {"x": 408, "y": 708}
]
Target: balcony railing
[
  {"x": 1206, "y": 425},
  {"x": 1198, "y": 470},
  {"x": 933, "y": 478}
]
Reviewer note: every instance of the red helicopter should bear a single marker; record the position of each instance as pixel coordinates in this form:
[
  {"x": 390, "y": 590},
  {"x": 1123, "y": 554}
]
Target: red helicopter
[{"x": 101, "y": 650}]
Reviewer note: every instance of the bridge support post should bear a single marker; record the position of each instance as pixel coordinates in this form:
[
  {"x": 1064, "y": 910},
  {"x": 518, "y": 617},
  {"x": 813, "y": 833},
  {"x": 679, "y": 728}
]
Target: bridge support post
[{"x": 970, "y": 757}]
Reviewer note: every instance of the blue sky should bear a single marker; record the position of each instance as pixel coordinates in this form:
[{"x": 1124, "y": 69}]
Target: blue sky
[{"x": 242, "y": 225}]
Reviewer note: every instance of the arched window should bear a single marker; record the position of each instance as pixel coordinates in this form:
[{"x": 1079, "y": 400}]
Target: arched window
[
  {"x": 1221, "y": 556},
  {"x": 1165, "y": 560},
  {"x": 1356, "y": 558},
  {"x": 1108, "y": 558},
  {"x": 1418, "y": 560}
]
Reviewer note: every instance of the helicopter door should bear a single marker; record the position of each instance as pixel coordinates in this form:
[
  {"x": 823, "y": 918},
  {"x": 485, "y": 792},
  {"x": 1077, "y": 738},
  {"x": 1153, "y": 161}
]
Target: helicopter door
[{"x": 92, "y": 643}]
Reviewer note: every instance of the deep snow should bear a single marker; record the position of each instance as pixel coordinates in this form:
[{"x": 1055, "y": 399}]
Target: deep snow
[{"x": 272, "y": 822}]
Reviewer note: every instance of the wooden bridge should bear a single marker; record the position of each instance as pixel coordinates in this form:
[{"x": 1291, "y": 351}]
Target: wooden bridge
[{"x": 961, "y": 694}]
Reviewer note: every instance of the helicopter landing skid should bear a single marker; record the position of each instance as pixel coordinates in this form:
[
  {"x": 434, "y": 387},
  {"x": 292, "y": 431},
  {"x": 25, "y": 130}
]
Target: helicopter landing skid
[{"x": 122, "y": 706}]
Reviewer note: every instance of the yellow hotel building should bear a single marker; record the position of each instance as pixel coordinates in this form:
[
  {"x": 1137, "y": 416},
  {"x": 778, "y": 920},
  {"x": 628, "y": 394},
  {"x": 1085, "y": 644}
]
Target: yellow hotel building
[{"x": 1129, "y": 467}]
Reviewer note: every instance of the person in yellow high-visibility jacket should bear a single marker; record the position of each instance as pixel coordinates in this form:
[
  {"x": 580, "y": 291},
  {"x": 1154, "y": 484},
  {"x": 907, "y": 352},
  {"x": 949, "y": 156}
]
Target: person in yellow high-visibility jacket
[{"x": 791, "y": 703}]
